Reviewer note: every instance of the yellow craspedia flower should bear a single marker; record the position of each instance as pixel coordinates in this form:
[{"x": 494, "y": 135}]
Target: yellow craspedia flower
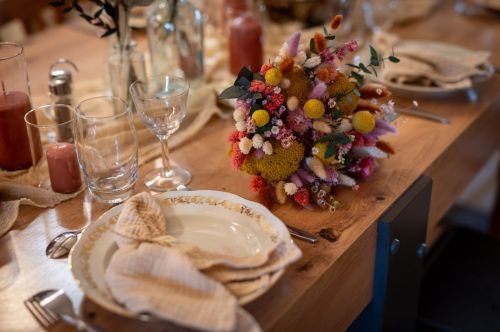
[
  {"x": 261, "y": 117},
  {"x": 320, "y": 154},
  {"x": 273, "y": 76},
  {"x": 363, "y": 122},
  {"x": 314, "y": 108},
  {"x": 299, "y": 84},
  {"x": 341, "y": 86},
  {"x": 279, "y": 165}
]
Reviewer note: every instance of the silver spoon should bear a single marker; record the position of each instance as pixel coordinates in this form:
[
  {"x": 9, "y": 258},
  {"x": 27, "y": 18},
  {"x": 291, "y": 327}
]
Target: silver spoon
[
  {"x": 57, "y": 302},
  {"x": 60, "y": 246}
]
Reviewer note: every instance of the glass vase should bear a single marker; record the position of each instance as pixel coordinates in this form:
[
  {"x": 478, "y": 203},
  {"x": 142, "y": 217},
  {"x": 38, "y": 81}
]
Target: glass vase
[
  {"x": 175, "y": 37},
  {"x": 126, "y": 65},
  {"x": 15, "y": 102}
]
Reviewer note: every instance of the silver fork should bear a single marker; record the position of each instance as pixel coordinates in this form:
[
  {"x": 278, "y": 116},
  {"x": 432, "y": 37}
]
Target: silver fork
[{"x": 46, "y": 318}]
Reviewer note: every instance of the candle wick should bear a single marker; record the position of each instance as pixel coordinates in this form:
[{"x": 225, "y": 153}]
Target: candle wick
[{"x": 3, "y": 87}]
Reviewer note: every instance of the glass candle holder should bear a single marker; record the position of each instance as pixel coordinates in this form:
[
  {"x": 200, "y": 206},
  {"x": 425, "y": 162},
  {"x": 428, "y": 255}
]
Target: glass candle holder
[
  {"x": 14, "y": 104},
  {"x": 106, "y": 144},
  {"x": 52, "y": 146}
]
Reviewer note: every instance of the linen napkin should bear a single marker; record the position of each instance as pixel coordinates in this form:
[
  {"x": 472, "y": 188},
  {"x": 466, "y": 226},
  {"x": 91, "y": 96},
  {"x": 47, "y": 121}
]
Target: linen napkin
[
  {"x": 153, "y": 272},
  {"x": 431, "y": 64}
]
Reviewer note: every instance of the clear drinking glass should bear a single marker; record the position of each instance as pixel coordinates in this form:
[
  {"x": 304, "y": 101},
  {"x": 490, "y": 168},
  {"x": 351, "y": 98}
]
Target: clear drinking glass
[
  {"x": 50, "y": 132},
  {"x": 379, "y": 14},
  {"x": 106, "y": 144},
  {"x": 161, "y": 102}
]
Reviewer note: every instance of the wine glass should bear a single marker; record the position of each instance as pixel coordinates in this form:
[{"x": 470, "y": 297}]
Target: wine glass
[
  {"x": 161, "y": 102},
  {"x": 379, "y": 14}
]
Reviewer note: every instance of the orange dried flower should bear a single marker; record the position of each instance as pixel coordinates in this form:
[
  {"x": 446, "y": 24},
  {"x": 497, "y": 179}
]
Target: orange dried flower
[
  {"x": 386, "y": 147},
  {"x": 326, "y": 73},
  {"x": 319, "y": 42},
  {"x": 286, "y": 65},
  {"x": 336, "y": 21}
]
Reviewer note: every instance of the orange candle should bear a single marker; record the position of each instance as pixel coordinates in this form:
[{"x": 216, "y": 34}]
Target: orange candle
[
  {"x": 14, "y": 143},
  {"x": 245, "y": 43},
  {"x": 64, "y": 171}
]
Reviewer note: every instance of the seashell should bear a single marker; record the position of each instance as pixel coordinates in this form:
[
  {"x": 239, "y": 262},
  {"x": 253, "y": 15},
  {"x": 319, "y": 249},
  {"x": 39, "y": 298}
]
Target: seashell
[{"x": 141, "y": 219}]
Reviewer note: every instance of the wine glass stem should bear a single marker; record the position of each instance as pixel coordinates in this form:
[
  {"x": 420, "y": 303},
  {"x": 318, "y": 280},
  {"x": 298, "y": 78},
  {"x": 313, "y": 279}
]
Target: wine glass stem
[{"x": 165, "y": 157}]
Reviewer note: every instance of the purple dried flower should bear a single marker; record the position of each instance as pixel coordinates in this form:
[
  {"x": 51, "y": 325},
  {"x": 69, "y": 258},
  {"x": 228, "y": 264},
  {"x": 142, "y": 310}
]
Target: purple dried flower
[
  {"x": 296, "y": 180},
  {"x": 293, "y": 44},
  {"x": 305, "y": 176},
  {"x": 318, "y": 91}
]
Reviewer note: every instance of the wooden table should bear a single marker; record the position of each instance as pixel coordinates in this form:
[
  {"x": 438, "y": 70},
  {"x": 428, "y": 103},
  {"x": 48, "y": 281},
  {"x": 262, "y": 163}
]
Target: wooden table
[{"x": 333, "y": 282}]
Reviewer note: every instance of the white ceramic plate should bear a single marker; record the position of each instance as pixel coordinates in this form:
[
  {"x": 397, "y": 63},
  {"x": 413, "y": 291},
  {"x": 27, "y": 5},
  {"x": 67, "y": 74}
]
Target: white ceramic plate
[
  {"x": 432, "y": 91},
  {"x": 214, "y": 221}
]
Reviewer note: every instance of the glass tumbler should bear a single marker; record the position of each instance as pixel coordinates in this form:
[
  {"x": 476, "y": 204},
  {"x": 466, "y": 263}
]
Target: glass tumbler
[
  {"x": 106, "y": 145},
  {"x": 53, "y": 154},
  {"x": 161, "y": 102}
]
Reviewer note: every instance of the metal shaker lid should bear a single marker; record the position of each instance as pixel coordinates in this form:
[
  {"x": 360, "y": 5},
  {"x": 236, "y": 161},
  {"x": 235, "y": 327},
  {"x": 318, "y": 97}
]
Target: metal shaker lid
[{"x": 60, "y": 79}]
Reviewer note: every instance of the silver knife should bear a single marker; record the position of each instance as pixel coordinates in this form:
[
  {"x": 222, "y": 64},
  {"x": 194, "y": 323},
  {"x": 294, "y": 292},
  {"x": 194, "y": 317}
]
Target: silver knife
[{"x": 422, "y": 114}]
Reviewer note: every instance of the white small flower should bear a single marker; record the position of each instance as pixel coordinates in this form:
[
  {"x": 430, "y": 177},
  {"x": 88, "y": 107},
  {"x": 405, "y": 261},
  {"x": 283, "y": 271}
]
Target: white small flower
[
  {"x": 275, "y": 130},
  {"x": 267, "y": 148},
  {"x": 357, "y": 60},
  {"x": 267, "y": 134},
  {"x": 300, "y": 58},
  {"x": 277, "y": 89},
  {"x": 257, "y": 141},
  {"x": 290, "y": 188},
  {"x": 284, "y": 50},
  {"x": 245, "y": 145},
  {"x": 315, "y": 150},
  {"x": 278, "y": 60},
  {"x": 312, "y": 62},
  {"x": 373, "y": 101},
  {"x": 378, "y": 91},
  {"x": 279, "y": 122},
  {"x": 332, "y": 103},
  {"x": 239, "y": 114},
  {"x": 415, "y": 103},
  {"x": 241, "y": 126},
  {"x": 285, "y": 83}
]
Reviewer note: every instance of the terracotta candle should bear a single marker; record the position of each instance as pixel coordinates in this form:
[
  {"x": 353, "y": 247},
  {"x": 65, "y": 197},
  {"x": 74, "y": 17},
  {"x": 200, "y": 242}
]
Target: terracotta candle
[
  {"x": 14, "y": 143},
  {"x": 63, "y": 167},
  {"x": 245, "y": 43}
]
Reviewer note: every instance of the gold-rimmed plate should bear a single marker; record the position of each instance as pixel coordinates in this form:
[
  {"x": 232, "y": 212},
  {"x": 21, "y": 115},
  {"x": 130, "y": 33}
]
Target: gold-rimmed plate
[{"x": 215, "y": 221}]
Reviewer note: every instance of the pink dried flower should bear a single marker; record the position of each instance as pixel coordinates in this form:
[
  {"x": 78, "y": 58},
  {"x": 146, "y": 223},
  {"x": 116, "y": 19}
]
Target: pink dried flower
[
  {"x": 234, "y": 137},
  {"x": 363, "y": 168},
  {"x": 302, "y": 196},
  {"x": 257, "y": 86},
  {"x": 265, "y": 67},
  {"x": 257, "y": 183},
  {"x": 298, "y": 121},
  {"x": 237, "y": 158},
  {"x": 318, "y": 91}
]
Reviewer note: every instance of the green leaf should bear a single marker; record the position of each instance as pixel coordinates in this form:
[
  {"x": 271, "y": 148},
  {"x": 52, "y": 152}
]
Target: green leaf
[
  {"x": 246, "y": 73},
  {"x": 374, "y": 57},
  {"x": 337, "y": 114},
  {"x": 256, "y": 96},
  {"x": 342, "y": 138},
  {"x": 359, "y": 78},
  {"x": 330, "y": 37},
  {"x": 394, "y": 59},
  {"x": 232, "y": 92},
  {"x": 258, "y": 77},
  {"x": 364, "y": 69},
  {"x": 242, "y": 82},
  {"x": 330, "y": 151},
  {"x": 108, "y": 32},
  {"x": 67, "y": 10},
  {"x": 312, "y": 46},
  {"x": 353, "y": 65}
]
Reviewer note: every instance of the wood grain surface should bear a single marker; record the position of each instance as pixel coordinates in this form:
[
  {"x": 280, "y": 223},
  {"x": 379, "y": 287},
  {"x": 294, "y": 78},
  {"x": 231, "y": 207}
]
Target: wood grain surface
[{"x": 333, "y": 281}]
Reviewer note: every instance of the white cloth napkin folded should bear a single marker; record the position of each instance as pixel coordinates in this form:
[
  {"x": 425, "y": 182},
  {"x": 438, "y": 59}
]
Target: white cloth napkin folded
[
  {"x": 152, "y": 272},
  {"x": 431, "y": 64}
]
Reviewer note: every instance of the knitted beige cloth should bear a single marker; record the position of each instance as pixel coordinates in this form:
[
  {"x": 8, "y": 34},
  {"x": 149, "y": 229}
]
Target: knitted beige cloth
[
  {"x": 431, "y": 64},
  {"x": 152, "y": 272}
]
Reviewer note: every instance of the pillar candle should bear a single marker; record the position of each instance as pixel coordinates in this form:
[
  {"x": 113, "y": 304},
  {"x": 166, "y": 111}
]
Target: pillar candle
[
  {"x": 245, "y": 43},
  {"x": 14, "y": 142},
  {"x": 63, "y": 167}
]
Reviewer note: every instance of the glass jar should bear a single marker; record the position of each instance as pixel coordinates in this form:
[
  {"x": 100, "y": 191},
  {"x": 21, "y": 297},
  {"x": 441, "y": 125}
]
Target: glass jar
[
  {"x": 175, "y": 37},
  {"x": 15, "y": 102}
]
